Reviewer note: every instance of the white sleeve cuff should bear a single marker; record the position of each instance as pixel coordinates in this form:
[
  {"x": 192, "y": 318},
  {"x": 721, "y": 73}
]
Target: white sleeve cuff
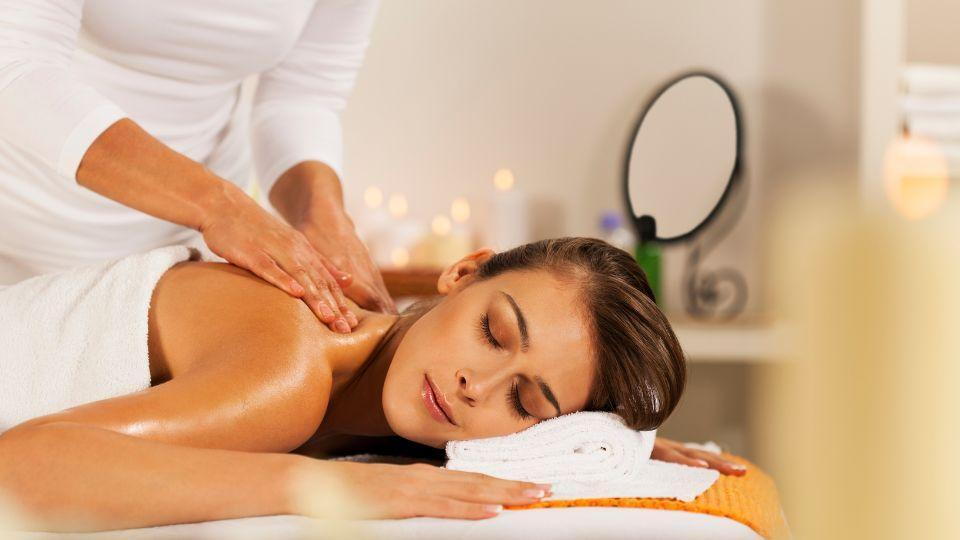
[
  {"x": 83, "y": 134},
  {"x": 285, "y": 135}
]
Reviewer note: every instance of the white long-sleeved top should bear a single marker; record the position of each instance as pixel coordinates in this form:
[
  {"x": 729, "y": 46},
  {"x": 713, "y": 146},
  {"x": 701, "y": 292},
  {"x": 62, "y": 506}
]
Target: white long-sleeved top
[{"x": 71, "y": 68}]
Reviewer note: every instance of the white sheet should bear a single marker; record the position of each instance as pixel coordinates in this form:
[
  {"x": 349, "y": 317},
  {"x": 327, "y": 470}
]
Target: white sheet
[{"x": 555, "y": 523}]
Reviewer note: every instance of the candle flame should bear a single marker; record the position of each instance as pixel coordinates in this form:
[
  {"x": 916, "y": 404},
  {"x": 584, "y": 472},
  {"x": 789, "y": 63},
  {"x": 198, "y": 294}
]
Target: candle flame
[
  {"x": 373, "y": 197},
  {"x": 397, "y": 205},
  {"x": 503, "y": 180},
  {"x": 440, "y": 225},
  {"x": 917, "y": 176},
  {"x": 400, "y": 257},
  {"x": 460, "y": 209}
]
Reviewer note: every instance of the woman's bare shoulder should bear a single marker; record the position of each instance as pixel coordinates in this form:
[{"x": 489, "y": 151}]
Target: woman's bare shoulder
[{"x": 200, "y": 310}]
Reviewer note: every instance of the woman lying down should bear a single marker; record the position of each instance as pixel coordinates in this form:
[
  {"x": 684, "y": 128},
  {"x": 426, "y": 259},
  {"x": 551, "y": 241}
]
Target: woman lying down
[{"x": 158, "y": 389}]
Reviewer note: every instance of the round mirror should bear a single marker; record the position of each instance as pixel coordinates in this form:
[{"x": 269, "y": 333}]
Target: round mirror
[{"x": 683, "y": 159}]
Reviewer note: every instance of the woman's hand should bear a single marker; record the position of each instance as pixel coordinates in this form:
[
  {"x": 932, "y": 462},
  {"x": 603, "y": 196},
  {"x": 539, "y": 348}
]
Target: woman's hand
[
  {"x": 245, "y": 234},
  {"x": 309, "y": 196},
  {"x": 402, "y": 491},
  {"x": 675, "y": 452}
]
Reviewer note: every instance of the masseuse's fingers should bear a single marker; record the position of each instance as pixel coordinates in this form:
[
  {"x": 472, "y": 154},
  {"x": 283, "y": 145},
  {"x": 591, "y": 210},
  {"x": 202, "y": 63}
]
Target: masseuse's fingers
[
  {"x": 267, "y": 268},
  {"x": 343, "y": 279},
  {"x": 309, "y": 269}
]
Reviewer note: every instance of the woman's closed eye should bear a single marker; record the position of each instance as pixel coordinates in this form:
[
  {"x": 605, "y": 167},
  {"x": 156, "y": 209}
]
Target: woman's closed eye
[
  {"x": 513, "y": 397},
  {"x": 486, "y": 334},
  {"x": 513, "y": 393}
]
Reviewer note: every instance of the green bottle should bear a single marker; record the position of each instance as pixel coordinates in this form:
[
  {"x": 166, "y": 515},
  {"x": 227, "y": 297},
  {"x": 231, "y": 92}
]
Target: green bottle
[{"x": 648, "y": 257}]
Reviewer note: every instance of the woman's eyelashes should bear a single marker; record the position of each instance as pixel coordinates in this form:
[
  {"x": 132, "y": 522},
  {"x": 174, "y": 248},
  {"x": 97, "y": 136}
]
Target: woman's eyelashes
[
  {"x": 513, "y": 393},
  {"x": 485, "y": 332},
  {"x": 513, "y": 397}
]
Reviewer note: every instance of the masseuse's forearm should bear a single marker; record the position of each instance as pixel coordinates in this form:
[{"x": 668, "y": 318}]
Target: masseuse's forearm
[
  {"x": 70, "y": 477},
  {"x": 128, "y": 165},
  {"x": 308, "y": 188}
]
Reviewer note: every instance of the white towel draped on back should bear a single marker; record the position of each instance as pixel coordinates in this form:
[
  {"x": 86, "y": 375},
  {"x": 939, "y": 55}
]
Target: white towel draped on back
[{"x": 78, "y": 336}]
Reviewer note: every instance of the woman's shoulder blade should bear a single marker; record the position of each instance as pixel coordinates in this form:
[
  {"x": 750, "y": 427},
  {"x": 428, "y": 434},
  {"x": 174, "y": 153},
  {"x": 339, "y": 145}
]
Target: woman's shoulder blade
[{"x": 218, "y": 312}]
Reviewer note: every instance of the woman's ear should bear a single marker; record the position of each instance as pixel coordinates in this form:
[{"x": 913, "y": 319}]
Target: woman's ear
[{"x": 461, "y": 273}]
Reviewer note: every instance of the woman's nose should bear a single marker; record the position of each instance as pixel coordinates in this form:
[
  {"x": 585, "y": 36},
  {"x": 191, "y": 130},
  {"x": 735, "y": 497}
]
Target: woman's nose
[{"x": 472, "y": 385}]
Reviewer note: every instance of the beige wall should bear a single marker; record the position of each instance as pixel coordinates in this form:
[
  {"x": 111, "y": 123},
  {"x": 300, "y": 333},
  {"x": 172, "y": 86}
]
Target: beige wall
[
  {"x": 933, "y": 31},
  {"x": 454, "y": 89}
]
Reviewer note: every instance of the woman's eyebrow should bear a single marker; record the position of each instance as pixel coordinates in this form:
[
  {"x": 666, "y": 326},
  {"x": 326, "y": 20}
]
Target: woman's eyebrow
[
  {"x": 525, "y": 344},
  {"x": 547, "y": 393},
  {"x": 521, "y": 322}
]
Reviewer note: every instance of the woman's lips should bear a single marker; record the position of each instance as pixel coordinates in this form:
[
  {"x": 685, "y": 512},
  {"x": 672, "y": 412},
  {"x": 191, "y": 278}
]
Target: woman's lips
[{"x": 432, "y": 400}]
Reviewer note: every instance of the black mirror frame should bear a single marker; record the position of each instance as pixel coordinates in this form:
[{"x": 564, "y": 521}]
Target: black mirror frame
[{"x": 645, "y": 225}]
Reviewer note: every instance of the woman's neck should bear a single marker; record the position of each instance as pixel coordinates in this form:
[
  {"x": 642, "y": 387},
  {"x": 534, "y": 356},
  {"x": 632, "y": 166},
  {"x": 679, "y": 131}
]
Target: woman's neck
[{"x": 359, "y": 362}]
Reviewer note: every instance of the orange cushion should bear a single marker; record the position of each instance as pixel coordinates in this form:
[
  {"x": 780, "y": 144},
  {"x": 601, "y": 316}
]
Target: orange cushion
[{"x": 750, "y": 499}]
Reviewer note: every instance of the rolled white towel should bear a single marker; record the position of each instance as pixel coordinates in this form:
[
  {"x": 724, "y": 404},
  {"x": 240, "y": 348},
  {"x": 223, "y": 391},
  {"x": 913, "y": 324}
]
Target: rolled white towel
[
  {"x": 582, "y": 455},
  {"x": 586, "y": 447}
]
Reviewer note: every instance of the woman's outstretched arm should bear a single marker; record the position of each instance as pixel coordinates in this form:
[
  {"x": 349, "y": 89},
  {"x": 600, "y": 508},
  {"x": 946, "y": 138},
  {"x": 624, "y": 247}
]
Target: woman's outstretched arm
[{"x": 72, "y": 477}]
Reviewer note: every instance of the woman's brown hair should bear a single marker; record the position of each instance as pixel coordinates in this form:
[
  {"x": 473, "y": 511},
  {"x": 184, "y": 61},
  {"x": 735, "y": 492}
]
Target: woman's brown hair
[{"x": 640, "y": 368}]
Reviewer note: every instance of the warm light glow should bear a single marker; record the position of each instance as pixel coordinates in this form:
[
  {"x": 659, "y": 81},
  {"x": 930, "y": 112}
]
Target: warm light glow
[
  {"x": 503, "y": 180},
  {"x": 440, "y": 225},
  {"x": 460, "y": 209},
  {"x": 400, "y": 257},
  {"x": 916, "y": 175},
  {"x": 373, "y": 197},
  {"x": 397, "y": 205}
]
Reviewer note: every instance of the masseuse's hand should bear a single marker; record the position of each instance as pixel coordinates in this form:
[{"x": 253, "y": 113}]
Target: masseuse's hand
[
  {"x": 245, "y": 234},
  {"x": 309, "y": 196},
  {"x": 676, "y": 452},
  {"x": 337, "y": 239},
  {"x": 402, "y": 491}
]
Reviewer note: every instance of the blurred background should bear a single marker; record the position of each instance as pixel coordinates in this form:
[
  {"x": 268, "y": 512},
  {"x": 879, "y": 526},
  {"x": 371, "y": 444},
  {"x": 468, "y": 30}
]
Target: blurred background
[{"x": 500, "y": 122}]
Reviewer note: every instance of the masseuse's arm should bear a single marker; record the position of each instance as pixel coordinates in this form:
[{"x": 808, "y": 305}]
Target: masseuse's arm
[
  {"x": 83, "y": 137},
  {"x": 298, "y": 141}
]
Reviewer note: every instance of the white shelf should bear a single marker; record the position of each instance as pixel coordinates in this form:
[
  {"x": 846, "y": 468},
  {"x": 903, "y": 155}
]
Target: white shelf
[{"x": 731, "y": 344}]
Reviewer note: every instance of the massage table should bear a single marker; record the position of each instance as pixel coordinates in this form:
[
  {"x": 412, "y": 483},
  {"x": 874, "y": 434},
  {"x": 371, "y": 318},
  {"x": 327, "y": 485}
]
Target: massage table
[
  {"x": 594, "y": 523},
  {"x": 734, "y": 508}
]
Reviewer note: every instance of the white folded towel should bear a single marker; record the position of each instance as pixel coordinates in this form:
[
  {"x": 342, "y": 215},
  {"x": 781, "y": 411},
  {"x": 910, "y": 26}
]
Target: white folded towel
[
  {"x": 582, "y": 455},
  {"x": 78, "y": 336},
  {"x": 931, "y": 79}
]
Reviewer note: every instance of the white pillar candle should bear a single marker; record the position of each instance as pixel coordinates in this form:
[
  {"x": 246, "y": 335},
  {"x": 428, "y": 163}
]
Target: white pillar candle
[
  {"x": 509, "y": 221},
  {"x": 445, "y": 244},
  {"x": 392, "y": 244}
]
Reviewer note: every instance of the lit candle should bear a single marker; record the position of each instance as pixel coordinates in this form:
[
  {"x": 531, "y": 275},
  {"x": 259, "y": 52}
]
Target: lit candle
[
  {"x": 445, "y": 244},
  {"x": 391, "y": 245},
  {"x": 374, "y": 217},
  {"x": 509, "y": 220}
]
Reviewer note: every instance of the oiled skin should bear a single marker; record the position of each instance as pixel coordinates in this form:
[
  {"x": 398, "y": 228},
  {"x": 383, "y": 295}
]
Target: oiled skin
[{"x": 243, "y": 374}]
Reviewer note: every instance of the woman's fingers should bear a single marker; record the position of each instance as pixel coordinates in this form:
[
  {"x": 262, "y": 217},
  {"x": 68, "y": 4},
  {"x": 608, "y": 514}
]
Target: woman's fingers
[
  {"x": 716, "y": 462},
  {"x": 493, "y": 493},
  {"x": 675, "y": 456},
  {"x": 699, "y": 458},
  {"x": 452, "y": 508}
]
